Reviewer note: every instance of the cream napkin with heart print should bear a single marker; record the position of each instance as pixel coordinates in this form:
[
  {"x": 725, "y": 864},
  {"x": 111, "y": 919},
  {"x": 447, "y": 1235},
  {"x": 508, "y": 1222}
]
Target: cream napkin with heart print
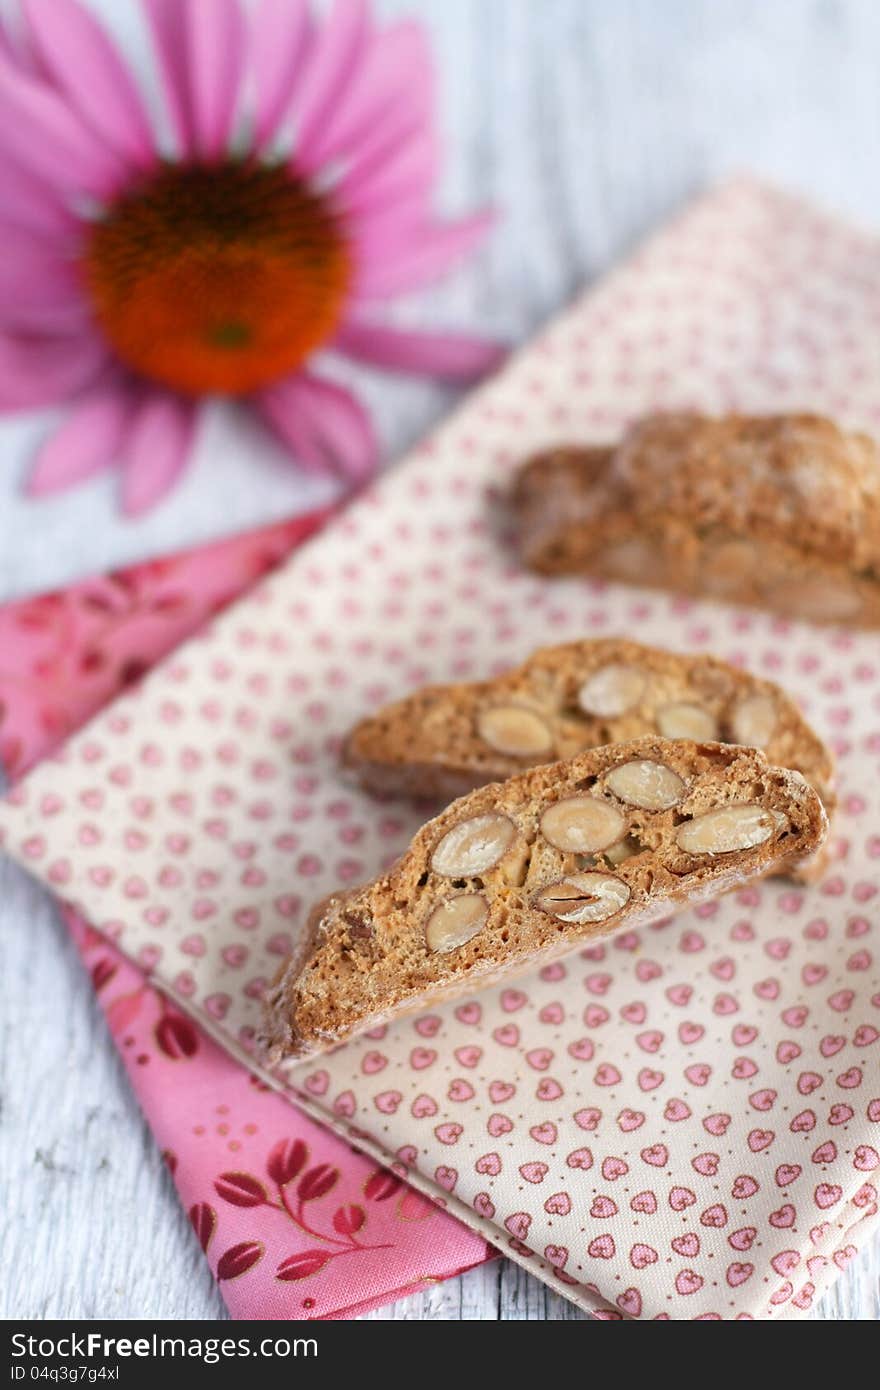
[{"x": 683, "y": 1122}]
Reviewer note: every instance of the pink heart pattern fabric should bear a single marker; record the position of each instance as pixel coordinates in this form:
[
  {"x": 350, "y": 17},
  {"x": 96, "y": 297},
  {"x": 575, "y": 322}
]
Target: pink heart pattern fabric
[
  {"x": 682, "y": 1123},
  {"x": 293, "y": 1222}
]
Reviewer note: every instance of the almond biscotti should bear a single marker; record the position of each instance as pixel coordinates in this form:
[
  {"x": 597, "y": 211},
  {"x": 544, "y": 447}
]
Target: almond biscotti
[
  {"x": 520, "y": 872},
  {"x": 782, "y": 512},
  {"x": 446, "y": 739}
]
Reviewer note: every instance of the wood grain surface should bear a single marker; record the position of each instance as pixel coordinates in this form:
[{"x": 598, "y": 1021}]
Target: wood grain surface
[{"x": 585, "y": 122}]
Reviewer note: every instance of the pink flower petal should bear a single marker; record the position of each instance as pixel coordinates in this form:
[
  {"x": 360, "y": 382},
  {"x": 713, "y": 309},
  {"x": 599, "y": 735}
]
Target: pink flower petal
[
  {"x": 323, "y": 425},
  {"x": 406, "y": 165},
  {"x": 55, "y": 318},
  {"x": 156, "y": 450},
  {"x": 39, "y": 131},
  {"x": 215, "y": 55},
  {"x": 280, "y": 36},
  {"x": 23, "y": 250},
  {"x": 167, "y": 19},
  {"x": 86, "y": 442},
  {"x": 38, "y": 286},
  {"x": 83, "y": 64},
  {"x": 43, "y": 371},
  {"x": 391, "y": 86},
  {"x": 32, "y": 205},
  {"x": 388, "y": 231},
  {"x": 380, "y": 232},
  {"x": 430, "y": 255},
  {"x": 6, "y": 49},
  {"x": 390, "y": 132},
  {"x": 332, "y": 59},
  {"x": 14, "y": 49},
  {"x": 457, "y": 356}
]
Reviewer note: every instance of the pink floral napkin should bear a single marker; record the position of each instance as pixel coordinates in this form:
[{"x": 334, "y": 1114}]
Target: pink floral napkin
[
  {"x": 683, "y": 1123},
  {"x": 293, "y": 1221}
]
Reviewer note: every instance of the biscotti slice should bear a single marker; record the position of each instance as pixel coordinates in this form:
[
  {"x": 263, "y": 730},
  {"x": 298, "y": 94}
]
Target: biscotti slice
[
  {"x": 520, "y": 872},
  {"x": 782, "y": 512},
  {"x": 446, "y": 739}
]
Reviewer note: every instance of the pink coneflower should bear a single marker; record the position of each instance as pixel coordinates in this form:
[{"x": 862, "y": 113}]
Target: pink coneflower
[{"x": 134, "y": 282}]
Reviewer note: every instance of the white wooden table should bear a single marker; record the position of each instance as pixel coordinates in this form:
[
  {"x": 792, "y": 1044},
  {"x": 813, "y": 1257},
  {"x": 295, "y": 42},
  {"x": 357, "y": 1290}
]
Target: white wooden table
[{"x": 585, "y": 122}]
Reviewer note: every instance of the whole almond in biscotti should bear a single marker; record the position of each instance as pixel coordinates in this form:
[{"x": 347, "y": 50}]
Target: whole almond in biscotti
[
  {"x": 447, "y": 739},
  {"x": 517, "y": 873},
  {"x": 778, "y": 511}
]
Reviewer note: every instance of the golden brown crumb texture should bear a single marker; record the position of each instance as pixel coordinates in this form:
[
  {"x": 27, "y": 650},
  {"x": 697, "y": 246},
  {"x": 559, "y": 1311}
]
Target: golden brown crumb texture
[
  {"x": 782, "y": 512},
  {"x": 444, "y": 740},
  {"x": 515, "y": 874}
]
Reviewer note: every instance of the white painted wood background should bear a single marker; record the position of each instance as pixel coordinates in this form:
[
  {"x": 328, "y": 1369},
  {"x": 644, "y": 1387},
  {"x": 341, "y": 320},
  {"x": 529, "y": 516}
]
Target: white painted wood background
[{"x": 586, "y": 122}]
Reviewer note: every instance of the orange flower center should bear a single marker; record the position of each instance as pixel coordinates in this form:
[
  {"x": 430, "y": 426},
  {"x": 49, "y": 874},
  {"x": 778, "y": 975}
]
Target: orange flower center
[{"x": 217, "y": 278}]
